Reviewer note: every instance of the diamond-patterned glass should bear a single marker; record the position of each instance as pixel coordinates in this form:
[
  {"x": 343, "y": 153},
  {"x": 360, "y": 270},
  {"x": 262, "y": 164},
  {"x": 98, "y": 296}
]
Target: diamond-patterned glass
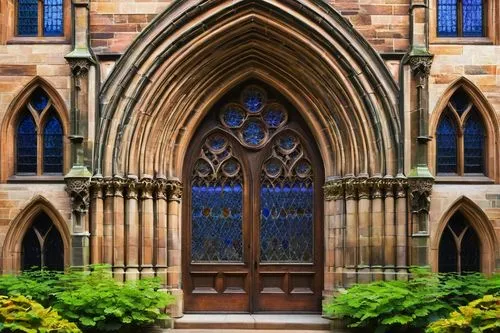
[
  {"x": 447, "y": 18},
  {"x": 446, "y": 146},
  {"x": 26, "y": 145},
  {"x": 53, "y": 146},
  {"x": 474, "y": 144},
  {"x": 472, "y": 17},
  {"x": 27, "y": 17},
  {"x": 53, "y": 17},
  {"x": 286, "y": 226}
]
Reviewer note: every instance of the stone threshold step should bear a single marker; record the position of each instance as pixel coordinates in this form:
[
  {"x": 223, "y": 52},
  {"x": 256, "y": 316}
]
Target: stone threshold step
[{"x": 301, "y": 322}]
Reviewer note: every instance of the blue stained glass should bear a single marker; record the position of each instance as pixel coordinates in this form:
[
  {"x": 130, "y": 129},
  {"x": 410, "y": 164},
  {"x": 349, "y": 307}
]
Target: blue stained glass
[
  {"x": 273, "y": 168},
  {"x": 286, "y": 225},
  {"x": 53, "y": 17},
  {"x": 274, "y": 117},
  {"x": 53, "y": 146},
  {"x": 474, "y": 144},
  {"x": 39, "y": 100},
  {"x": 253, "y": 99},
  {"x": 447, "y": 18},
  {"x": 233, "y": 116},
  {"x": 27, "y": 17},
  {"x": 446, "y": 146},
  {"x": 231, "y": 167},
  {"x": 217, "y": 142},
  {"x": 26, "y": 145},
  {"x": 217, "y": 221},
  {"x": 287, "y": 142},
  {"x": 303, "y": 168},
  {"x": 472, "y": 16},
  {"x": 253, "y": 132},
  {"x": 460, "y": 101}
]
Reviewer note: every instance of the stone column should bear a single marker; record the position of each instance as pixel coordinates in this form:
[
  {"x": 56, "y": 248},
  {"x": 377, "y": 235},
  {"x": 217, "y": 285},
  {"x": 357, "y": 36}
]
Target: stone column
[
  {"x": 109, "y": 192},
  {"x": 401, "y": 229},
  {"x": 161, "y": 229},
  {"x": 389, "y": 230},
  {"x": 131, "y": 230},
  {"x": 147, "y": 226},
  {"x": 118, "y": 184},
  {"x": 351, "y": 231},
  {"x": 96, "y": 220},
  {"x": 377, "y": 229},
  {"x": 364, "y": 229},
  {"x": 334, "y": 235}
]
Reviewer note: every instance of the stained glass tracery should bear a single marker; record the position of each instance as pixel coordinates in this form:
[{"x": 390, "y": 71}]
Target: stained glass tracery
[
  {"x": 460, "y": 18},
  {"x": 446, "y": 146},
  {"x": 474, "y": 144},
  {"x": 53, "y": 146},
  {"x": 26, "y": 143},
  {"x": 217, "y": 204}
]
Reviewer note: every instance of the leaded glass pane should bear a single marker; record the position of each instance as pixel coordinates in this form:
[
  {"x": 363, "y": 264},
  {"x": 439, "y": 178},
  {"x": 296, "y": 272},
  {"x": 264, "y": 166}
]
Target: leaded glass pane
[
  {"x": 26, "y": 145},
  {"x": 446, "y": 146},
  {"x": 53, "y": 17},
  {"x": 233, "y": 116},
  {"x": 217, "y": 205},
  {"x": 447, "y": 18},
  {"x": 474, "y": 144},
  {"x": 53, "y": 146},
  {"x": 460, "y": 101},
  {"x": 472, "y": 17},
  {"x": 254, "y": 99},
  {"x": 274, "y": 116},
  {"x": 27, "y": 17},
  {"x": 39, "y": 100},
  {"x": 448, "y": 256},
  {"x": 470, "y": 253}
]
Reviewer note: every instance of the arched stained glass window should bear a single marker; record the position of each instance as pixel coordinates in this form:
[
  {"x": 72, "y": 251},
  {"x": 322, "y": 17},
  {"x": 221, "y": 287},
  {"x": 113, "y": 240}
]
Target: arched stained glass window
[
  {"x": 217, "y": 204},
  {"x": 446, "y": 146},
  {"x": 286, "y": 196},
  {"x": 26, "y": 144},
  {"x": 53, "y": 146},
  {"x": 459, "y": 247},
  {"x": 42, "y": 246},
  {"x": 39, "y": 137},
  {"x": 50, "y": 12},
  {"x": 461, "y": 138},
  {"x": 474, "y": 144},
  {"x": 460, "y": 18}
]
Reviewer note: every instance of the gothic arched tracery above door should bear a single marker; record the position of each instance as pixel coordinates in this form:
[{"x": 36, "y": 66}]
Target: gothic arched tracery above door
[{"x": 253, "y": 232}]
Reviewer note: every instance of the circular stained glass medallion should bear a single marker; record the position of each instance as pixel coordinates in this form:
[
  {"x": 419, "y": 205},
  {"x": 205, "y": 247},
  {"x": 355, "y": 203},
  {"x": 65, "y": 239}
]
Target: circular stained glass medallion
[
  {"x": 273, "y": 168},
  {"x": 253, "y": 132},
  {"x": 217, "y": 142},
  {"x": 274, "y": 116},
  {"x": 231, "y": 167},
  {"x": 39, "y": 100},
  {"x": 233, "y": 116},
  {"x": 287, "y": 142},
  {"x": 253, "y": 98}
]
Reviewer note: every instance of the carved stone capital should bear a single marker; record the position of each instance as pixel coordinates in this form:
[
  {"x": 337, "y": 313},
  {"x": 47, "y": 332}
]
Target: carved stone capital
[
  {"x": 334, "y": 190},
  {"x": 96, "y": 186},
  {"x": 174, "y": 190},
  {"x": 79, "y": 191},
  {"x": 131, "y": 188},
  {"x": 161, "y": 185},
  {"x": 388, "y": 187},
  {"x": 79, "y": 66},
  {"x": 421, "y": 65},
  {"x": 118, "y": 184},
  {"x": 377, "y": 187},
  {"x": 147, "y": 186},
  {"x": 420, "y": 190},
  {"x": 351, "y": 188},
  {"x": 364, "y": 187},
  {"x": 400, "y": 186},
  {"x": 108, "y": 187}
]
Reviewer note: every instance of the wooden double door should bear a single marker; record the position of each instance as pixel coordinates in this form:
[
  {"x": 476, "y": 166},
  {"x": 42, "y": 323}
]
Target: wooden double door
[{"x": 252, "y": 208}]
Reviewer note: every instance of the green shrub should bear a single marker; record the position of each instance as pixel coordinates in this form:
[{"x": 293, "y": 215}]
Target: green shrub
[
  {"x": 482, "y": 315},
  {"x": 93, "y": 300},
  {"x": 20, "y": 314},
  {"x": 405, "y": 305}
]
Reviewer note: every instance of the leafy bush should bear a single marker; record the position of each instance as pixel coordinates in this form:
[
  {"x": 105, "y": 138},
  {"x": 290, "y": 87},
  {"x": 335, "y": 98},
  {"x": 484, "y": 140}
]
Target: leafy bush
[
  {"x": 95, "y": 301},
  {"x": 20, "y": 314},
  {"x": 482, "y": 315},
  {"x": 405, "y": 305}
]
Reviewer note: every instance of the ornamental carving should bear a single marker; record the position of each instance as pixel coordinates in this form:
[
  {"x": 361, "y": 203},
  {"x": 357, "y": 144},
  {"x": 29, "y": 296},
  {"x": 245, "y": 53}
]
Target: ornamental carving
[
  {"x": 352, "y": 188},
  {"x": 78, "y": 190},
  {"x": 79, "y": 67},
  {"x": 421, "y": 65},
  {"x": 334, "y": 190},
  {"x": 174, "y": 190},
  {"x": 147, "y": 186},
  {"x": 420, "y": 190}
]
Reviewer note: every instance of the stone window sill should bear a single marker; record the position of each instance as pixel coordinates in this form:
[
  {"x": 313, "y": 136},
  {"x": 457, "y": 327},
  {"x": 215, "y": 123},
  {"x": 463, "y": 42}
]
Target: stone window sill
[
  {"x": 462, "y": 40},
  {"x": 51, "y": 179},
  {"x": 38, "y": 40},
  {"x": 480, "y": 179}
]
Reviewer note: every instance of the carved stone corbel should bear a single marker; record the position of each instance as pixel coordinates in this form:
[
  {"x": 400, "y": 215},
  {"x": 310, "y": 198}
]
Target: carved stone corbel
[
  {"x": 79, "y": 192},
  {"x": 420, "y": 190}
]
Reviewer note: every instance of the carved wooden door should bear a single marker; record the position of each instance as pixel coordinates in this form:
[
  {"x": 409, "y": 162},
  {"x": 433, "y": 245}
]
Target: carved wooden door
[{"x": 253, "y": 231}]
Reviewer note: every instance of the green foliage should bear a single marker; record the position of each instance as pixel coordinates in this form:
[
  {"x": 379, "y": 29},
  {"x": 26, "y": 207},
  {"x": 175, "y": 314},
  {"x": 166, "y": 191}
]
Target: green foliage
[
  {"x": 404, "y": 305},
  {"x": 20, "y": 314},
  {"x": 482, "y": 315},
  {"x": 94, "y": 300}
]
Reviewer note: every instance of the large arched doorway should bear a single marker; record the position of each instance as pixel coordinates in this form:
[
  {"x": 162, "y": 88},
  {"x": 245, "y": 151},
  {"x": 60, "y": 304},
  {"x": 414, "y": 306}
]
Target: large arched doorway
[{"x": 253, "y": 208}]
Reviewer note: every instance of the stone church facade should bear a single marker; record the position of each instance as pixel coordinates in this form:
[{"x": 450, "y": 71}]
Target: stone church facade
[{"x": 255, "y": 155}]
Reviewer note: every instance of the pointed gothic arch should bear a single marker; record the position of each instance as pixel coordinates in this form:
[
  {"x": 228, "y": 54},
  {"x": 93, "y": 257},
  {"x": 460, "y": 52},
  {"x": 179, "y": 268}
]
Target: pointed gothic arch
[
  {"x": 169, "y": 78},
  {"x": 478, "y": 220},
  {"x": 488, "y": 116},
  {"x": 12, "y": 245},
  {"x": 16, "y": 110}
]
